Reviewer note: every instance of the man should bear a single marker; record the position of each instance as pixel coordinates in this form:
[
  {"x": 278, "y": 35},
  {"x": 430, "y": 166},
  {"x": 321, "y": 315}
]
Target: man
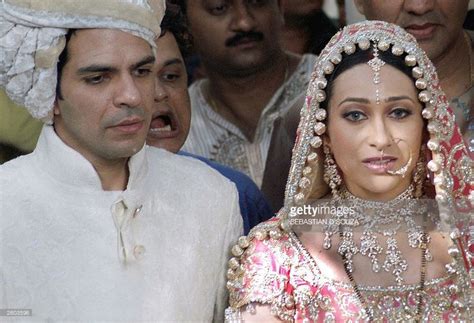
[
  {"x": 437, "y": 26},
  {"x": 307, "y": 28},
  {"x": 95, "y": 226},
  {"x": 172, "y": 115},
  {"x": 251, "y": 81}
]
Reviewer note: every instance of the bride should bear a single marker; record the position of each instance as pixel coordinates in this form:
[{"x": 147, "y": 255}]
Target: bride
[{"x": 391, "y": 240}]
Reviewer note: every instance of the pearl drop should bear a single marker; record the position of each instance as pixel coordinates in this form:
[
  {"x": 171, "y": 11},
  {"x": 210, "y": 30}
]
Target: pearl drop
[
  {"x": 383, "y": 45},
  {"x": 364, "y": 44},
  {"x": 410, "y": 60},
  {"x": 349, "y": 49}
]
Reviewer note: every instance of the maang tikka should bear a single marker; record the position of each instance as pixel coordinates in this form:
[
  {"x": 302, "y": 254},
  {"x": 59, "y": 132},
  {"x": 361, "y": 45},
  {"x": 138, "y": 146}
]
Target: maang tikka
[{"x": 376, "y": 65}]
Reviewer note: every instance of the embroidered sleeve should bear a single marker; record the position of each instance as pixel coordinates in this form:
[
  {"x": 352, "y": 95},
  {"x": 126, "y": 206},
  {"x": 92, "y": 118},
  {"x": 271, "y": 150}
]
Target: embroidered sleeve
[{"x": 261, "y": 273}]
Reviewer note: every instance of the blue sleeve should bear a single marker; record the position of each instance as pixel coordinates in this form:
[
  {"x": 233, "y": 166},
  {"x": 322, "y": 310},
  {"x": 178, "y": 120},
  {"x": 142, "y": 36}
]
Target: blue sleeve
[{"x": 253, "y": 206}]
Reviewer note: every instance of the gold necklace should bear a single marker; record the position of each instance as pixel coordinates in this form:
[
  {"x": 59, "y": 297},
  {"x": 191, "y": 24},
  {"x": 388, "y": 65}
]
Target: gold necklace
[{"x": 360, "y": 297}]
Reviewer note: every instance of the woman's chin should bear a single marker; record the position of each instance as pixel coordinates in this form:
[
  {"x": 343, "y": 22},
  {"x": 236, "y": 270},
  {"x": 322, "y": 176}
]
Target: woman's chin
[{"x": 381, "y": 188}]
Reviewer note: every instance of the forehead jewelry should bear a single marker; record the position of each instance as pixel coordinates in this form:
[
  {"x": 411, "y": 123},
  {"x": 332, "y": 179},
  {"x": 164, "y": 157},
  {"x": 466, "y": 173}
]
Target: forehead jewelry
[{"x": 376, "y": 64}]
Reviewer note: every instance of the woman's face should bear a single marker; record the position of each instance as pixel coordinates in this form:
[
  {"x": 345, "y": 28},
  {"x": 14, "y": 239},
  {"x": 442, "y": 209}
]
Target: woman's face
[{"x": 368, "y": 139}]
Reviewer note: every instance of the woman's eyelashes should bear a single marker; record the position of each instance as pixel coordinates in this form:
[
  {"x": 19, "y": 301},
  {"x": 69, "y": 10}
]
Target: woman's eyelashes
[{"x": 357, "y": 115}]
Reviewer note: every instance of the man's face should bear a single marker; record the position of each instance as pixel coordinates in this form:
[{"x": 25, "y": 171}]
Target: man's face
[
  {"x": 236, "y": 37},
  {"x": 107, "y": 94},
  {"x": 172, "y": 109},
  {"x": 436, "y": 24}
]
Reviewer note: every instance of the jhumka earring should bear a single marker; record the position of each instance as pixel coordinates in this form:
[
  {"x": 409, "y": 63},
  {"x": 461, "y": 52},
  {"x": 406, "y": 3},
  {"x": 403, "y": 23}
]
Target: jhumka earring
[
  {"x": 420, "y": 173},
  {"x": 331, "y": 175}
]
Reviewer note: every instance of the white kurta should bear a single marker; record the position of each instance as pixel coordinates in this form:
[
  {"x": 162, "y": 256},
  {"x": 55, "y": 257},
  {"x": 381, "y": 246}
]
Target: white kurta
[
  {"x": 62, "y": 254},
  {"x": 215, "y": 138}
]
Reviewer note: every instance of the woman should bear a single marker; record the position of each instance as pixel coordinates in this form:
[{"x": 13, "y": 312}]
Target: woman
[{"x": 375, "y": 122}]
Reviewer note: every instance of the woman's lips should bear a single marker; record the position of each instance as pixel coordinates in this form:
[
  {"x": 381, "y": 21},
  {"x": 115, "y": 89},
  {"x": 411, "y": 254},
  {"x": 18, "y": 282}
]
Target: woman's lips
[
  {"x": 379, "y": 165},
  {"x": 421, "y": 32}
]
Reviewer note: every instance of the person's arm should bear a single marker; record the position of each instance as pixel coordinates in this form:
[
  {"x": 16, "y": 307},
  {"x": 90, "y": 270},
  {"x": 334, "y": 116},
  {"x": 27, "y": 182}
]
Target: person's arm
[{"x": 233, "y": 231}]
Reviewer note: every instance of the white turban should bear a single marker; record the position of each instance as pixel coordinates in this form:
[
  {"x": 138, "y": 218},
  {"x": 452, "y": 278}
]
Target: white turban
[{"x": 32, "y": 36}]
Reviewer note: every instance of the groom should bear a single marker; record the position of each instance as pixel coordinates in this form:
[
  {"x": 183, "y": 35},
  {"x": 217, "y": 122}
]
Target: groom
[{"x": 95, "y": 226}]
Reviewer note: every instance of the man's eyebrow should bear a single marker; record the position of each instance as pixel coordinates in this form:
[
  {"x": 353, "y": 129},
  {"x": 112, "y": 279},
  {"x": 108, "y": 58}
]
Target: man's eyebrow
[
  {"x": 147, "y": 60},
  {"x": 173, "y": 61},
  {"x": 97, "y": 68}
]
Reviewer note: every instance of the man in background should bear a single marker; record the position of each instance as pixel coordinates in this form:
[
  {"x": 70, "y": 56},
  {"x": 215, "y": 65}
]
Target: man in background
[
  {"x": 172, "y": 114},
  {"x": 250, "y": 82},
  {"x": 307, "y": 28}
]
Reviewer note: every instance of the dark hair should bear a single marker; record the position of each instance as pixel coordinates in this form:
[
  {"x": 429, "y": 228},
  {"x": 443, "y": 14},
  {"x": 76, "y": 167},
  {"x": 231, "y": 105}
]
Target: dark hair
[
  {"x": 175, "y": 22},
  {"x": 62, "y": 60},
  {"x": 180, "y": 3},
  {"x": 362, "y": 57}
]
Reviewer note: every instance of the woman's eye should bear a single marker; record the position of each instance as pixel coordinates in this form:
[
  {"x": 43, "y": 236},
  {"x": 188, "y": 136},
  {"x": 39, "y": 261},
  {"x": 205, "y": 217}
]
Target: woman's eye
[
  {"x": 354, "y": 116},
  {"x": 399, "y": 113}
]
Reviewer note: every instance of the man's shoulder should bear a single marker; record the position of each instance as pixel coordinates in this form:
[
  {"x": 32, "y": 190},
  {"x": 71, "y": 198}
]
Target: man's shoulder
[
  {"x": 240, "y": 179},
  {"x": 16, "y": 167},
  {"x": 182, "y": 167},
  {"x": 307, "y": 61},
  {"x": 194, "y": 90}
]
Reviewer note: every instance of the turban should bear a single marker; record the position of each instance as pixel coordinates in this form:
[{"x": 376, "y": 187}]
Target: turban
[{"x": 32, "y": 36}]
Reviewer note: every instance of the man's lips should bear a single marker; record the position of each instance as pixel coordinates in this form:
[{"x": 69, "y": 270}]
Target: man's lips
[
  {"x": 129, "y": 126},
  {"x": 380, "y": 165},
  {"x": 245, "y": 42},
  {"x": 421, "y": 32}
]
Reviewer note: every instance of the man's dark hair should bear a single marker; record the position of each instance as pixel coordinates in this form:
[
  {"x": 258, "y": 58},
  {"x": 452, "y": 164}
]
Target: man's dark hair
[
  {"x": 179, "y": 3},
  {"x": 62, "y": 60},
  {"x": 175, "y": 22}
]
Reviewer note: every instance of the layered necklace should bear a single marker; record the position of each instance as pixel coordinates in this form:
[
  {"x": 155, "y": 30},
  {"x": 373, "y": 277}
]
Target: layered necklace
[{"x": 378, "y": 219}]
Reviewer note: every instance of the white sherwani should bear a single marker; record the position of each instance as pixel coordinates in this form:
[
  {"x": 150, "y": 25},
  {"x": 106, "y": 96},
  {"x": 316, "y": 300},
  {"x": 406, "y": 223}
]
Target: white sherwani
[{"x": 156, "y": 251}]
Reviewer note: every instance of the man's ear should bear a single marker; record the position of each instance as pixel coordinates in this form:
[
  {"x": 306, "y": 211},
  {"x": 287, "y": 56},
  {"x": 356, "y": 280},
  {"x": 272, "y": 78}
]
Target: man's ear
[
  {"x": 56, "y": 110},
  {"x": 360, "y": 6}
]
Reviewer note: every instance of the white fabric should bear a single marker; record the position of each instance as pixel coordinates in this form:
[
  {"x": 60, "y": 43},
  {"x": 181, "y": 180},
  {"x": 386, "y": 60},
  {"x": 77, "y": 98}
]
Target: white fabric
[
  {"x": 32, "y": 38},
  {"x": 59, "y": 241},
  {"x": 215, "y": 138}
]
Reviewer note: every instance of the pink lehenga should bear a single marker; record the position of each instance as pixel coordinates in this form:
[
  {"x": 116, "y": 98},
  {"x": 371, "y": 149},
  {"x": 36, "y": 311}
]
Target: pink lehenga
[{"x": 271, "y": 266}]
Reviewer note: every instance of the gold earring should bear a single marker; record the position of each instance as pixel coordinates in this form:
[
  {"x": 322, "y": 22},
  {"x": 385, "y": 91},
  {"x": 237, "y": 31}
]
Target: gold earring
[
  {"x": 420, "y": 173},
  {"x": 331, "y": 175}
]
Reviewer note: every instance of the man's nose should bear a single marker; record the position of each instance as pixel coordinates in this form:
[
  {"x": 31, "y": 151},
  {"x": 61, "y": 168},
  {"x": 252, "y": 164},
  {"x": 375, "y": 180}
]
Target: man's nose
[
  {"x": 242, "y": 18},
  {"x": 419, "y": 7},
  {"x": 161, "y": 93},
  {"x": 127, "y": 92}
]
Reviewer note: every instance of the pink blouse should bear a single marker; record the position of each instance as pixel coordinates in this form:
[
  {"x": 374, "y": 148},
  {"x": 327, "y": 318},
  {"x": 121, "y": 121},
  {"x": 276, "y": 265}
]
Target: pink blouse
[{"x": 280, "y": 272}]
